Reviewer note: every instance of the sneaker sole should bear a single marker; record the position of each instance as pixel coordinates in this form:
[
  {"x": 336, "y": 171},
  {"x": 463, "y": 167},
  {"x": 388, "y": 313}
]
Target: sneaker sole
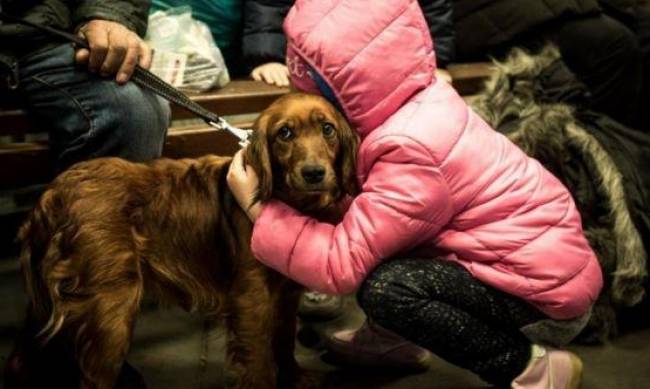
[{"x": 576, "y": 377}]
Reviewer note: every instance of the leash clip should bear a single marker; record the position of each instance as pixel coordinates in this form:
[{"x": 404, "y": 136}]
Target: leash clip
[{"x": 239, "y": 133}]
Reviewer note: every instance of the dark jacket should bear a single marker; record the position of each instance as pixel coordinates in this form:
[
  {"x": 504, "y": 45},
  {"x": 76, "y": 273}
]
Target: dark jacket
[
  {"x": 539, "y": 104},
  {"x": 625, "y": 6},
  {"x": 484, "y": 24},
  {"x": 438, "y": 14},
  {"x": 264, "y": 41},
  {"x": 17, "y": 40},
  {"x": 627, "y": 11}
]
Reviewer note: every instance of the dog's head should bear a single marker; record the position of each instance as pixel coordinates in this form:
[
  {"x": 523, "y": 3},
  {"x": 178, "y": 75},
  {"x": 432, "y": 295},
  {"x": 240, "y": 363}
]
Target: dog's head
[{"x": 304, "y": 152}]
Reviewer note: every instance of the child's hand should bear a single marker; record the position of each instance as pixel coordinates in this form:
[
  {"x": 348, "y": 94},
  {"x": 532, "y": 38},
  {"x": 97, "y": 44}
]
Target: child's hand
[
  {"x": 273, "y": 73},
  {"x": 244, "y": 183}
]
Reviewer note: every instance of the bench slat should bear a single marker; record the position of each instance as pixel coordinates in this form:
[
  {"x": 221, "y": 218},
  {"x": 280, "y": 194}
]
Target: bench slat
[
  {"x": 238, "y": 97},
  {"x": 246, "y": 96},
  {"x": 192, "y": 143},
  {"x": 24, "y": 164},
  {"x": 468, "y": 79},
  {"x": 29, "y": 163},
  {"x": 14, "y": 123}
]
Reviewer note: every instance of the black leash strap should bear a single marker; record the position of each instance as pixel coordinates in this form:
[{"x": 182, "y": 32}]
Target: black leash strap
[{"x": 146, "y": 80}]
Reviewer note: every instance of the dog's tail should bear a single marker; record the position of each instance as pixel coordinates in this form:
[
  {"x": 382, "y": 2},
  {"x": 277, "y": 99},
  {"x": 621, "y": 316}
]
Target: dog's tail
[{"x": 43, "y": 264}]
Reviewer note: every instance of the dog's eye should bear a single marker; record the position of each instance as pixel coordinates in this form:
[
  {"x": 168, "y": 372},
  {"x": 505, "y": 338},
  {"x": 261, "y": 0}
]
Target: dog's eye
[
  {"x": 328, "y": 129},
  {"x": 285, "y": 133}
]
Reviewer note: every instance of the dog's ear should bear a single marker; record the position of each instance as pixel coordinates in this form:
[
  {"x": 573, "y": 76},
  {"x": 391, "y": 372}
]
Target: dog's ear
[
  {"x": 347, "y": 161},
  {"x": 258, "y": 157}
]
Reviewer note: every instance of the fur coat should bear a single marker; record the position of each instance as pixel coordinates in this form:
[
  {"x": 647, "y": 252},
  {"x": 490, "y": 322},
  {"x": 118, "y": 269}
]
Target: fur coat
[{"x": 541, "y": 106}]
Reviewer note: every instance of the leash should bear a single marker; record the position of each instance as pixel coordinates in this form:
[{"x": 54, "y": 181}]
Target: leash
[{"x": 150, "y": 82}]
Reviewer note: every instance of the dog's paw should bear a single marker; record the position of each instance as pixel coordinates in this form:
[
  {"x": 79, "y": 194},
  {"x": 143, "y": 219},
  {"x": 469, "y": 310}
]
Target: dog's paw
[
  {"x": 130, "y": 378},
  {"x": 15, "y": 374},
  {"x": 248, "y": 380},
  {"x": 305, "y": 379}
]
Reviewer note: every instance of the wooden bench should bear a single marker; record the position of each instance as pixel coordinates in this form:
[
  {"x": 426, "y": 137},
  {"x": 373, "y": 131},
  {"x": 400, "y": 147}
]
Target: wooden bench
[
  {"x": 25, "y": 161},
  {"x": 30, "y": 160}
]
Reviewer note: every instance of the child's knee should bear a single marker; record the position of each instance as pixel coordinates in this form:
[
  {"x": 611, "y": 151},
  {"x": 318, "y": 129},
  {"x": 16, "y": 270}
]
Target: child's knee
[{"x": 390, "y": 283}]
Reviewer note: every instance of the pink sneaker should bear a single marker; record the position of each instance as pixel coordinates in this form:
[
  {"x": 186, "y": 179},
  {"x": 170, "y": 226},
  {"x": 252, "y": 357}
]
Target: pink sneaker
[
  {"x": 550, "y": 369},
  {"x": 374, "y": 346}
]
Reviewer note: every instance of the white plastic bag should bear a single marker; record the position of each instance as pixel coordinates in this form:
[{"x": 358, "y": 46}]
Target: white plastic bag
[{"x": 185, "y": 54}]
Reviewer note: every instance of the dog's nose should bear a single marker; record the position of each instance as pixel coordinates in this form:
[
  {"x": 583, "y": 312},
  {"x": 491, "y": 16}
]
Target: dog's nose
[{"x": 313, "y": 174}]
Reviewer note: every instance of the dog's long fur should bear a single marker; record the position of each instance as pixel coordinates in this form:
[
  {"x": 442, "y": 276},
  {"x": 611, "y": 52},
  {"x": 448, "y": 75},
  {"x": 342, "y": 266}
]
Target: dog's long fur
[
  {"x": 107, "y": 231},
  {"x": 551, "y": 133}
]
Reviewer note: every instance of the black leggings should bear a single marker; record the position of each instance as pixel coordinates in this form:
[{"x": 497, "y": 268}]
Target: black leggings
[
  {"x": 438, "y": 305},
  {"x": 612, "y": 60}
]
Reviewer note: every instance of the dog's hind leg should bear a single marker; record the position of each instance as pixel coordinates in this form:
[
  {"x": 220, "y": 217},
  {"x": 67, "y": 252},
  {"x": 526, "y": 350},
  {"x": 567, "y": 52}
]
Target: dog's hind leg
[
  {"x": 34, "y": 365},
  {"x": 250, "y": 359},
  {"x": 104, "y": 333}
]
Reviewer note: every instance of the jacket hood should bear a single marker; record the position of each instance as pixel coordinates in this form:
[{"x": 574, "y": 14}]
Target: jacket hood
[{"x": 372, "y": 56}]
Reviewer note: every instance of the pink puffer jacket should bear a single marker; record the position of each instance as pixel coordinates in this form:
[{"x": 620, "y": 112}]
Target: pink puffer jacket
[{"x": 436, "y": 179}]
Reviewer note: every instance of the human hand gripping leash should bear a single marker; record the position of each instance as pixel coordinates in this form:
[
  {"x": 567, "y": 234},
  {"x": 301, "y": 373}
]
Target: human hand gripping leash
[{"x": 149, "y": 81}]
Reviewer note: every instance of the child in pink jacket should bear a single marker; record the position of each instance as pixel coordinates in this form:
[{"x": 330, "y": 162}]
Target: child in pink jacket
[{"x": 458, "y": 242}]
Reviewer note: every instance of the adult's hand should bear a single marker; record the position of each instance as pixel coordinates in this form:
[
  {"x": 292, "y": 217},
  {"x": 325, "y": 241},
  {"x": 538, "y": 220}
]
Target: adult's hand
[{"x": 114, "y": 50}]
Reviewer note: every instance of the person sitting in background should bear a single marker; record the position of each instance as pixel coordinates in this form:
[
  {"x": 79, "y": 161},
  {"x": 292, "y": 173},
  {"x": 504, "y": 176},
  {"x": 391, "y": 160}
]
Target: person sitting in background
[
  {"x": 224, "y": 18},
  {"x": 635, "y": 15},
  {"x": 247, "y": 32},
  {"x": 83, "y": 98},
  {"x": 606, "y": 43},
  {"x": 264, "y": 43}
]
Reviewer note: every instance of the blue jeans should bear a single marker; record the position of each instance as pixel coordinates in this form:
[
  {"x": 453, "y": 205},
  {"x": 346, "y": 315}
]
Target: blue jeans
[{"x": 87, "y": 116}]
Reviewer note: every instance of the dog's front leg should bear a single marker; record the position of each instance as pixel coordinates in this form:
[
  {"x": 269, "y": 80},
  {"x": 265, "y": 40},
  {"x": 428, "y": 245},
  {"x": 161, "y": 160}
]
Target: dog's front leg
[
  {"x": 286, "y": 298},
  {"x": 250, "y": 359}
]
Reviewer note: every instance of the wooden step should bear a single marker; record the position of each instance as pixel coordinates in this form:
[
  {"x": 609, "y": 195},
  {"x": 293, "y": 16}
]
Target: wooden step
[
  {"x": 246, "y": 96},
  {"x": 27, "y": 163},
  {"x": 468, "y": 79},
  {"x": 236, "y": 98}
]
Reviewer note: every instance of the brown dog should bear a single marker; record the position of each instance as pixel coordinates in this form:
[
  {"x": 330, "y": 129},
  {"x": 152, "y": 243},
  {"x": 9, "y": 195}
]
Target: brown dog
[{"x": 107, "y": 231}]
